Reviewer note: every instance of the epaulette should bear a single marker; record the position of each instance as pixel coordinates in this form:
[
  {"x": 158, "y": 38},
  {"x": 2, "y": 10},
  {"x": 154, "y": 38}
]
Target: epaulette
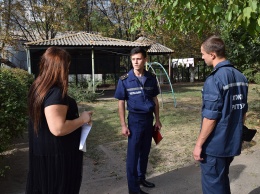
[{"x": 124, "y": 76}]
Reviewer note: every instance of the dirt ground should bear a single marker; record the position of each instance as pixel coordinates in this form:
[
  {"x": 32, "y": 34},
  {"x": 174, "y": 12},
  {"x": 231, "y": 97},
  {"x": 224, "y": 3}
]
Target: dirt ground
[
  {"x": 16, "y": 158},
  {"x": 97, "y": 175},
  {"x": 107, "y": 175},
  {"x": 110, "y": 166}
]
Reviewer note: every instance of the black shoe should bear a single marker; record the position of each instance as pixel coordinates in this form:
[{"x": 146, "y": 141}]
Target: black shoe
[
  {"x": 140, "y": 192},
  {"x": 146, "y": 183}
]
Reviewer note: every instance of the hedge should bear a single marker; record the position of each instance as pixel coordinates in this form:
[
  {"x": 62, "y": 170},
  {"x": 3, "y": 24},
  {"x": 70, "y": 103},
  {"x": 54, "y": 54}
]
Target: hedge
[{"x": 14, "y": 86}]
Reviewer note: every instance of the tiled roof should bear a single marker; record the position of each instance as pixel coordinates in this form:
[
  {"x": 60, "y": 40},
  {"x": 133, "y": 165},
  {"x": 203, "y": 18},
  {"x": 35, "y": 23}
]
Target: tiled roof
[
  {"x": 86, "y": 39},
  {"x": 155, "y": 48}
]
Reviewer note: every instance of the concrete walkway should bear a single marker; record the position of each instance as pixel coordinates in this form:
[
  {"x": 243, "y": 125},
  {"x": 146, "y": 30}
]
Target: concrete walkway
[
  {"x": 110, "y": 178},
  {"x": 244, "y": 178}
]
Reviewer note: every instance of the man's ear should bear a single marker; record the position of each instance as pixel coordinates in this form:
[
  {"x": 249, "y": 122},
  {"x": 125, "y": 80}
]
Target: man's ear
[{"x": 213, "y": 55}]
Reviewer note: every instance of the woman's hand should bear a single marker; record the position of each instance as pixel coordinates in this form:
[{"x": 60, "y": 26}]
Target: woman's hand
[{"x": 86, "y": 117}]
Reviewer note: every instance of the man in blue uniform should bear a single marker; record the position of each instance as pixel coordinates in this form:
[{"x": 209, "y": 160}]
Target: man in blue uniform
[
  {"x": 224, "y": 109},
  {"x": 139, "y": 88}
]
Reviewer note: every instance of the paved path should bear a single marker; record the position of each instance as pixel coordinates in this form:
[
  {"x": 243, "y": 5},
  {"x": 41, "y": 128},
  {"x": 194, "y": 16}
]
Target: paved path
[
  {"x": 109, "y": 176},
  {"x": 244, "y": 178}
]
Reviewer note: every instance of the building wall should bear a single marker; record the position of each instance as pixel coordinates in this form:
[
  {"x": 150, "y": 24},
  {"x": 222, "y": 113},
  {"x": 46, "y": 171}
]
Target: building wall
[{"x": 16, "y": 55}]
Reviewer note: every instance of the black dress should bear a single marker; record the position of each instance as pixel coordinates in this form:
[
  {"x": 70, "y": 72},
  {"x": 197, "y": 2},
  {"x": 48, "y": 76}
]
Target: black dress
[{"x": 55, "y": 163}]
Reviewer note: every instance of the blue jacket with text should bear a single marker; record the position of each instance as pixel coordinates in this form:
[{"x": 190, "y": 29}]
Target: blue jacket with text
[{"x": 224, "y": 98}]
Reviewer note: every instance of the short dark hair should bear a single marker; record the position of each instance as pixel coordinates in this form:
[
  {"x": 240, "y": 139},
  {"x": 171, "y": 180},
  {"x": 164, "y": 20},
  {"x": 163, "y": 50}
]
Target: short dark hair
[
  {"x": 215, "y": 44},
  {"x": 138, "y": 50}
]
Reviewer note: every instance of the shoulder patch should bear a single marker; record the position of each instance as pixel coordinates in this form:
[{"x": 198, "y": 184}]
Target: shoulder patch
[{"x": 124, "y": 76}]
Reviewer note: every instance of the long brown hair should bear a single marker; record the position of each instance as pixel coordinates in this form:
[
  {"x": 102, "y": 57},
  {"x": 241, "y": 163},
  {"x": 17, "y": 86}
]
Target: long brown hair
[{"x": 54, "y": 70}]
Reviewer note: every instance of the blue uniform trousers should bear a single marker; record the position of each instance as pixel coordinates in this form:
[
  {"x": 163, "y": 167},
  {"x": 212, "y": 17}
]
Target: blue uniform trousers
[
  {"x": 138, "y": 149},
  {"x": 215, "y": 172}
]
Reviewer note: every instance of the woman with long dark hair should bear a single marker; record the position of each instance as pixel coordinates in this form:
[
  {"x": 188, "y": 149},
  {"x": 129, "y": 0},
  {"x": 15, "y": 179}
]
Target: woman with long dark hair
[{"x": 55, "y": 161}]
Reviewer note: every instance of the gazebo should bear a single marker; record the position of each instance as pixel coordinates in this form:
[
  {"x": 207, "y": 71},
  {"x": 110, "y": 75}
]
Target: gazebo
[
  {"x": 156, "y": 49},
  {"x": 91, "y": 53}
]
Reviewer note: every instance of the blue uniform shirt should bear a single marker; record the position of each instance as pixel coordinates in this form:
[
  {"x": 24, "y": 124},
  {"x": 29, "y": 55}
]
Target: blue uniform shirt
[
  {"x": 139, "y": 96},
  {"x": 225, "y": 100}
]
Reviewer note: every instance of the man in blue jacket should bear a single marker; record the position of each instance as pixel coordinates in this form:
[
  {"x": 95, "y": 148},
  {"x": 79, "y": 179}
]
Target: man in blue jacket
[
  {"x": 224, "y": 109},
  {"x": 139, "y": 88}
]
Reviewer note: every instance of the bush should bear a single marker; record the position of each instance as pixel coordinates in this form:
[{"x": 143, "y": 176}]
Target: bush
[
  {"x": 83, "y": 91},
  {"x": 249, "y": 73},
  {"x": 14, "y": 85},
  {"x": 257, "y": 78}
]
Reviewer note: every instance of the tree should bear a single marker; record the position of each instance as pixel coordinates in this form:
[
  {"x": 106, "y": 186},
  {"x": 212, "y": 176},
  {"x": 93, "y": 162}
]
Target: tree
[
  {"x": 38, "y": 19},
  {"x": 198, "y": 15},
  {"x": 33, "y": 20},
  {"x": 244, "y": 52},
  {"x": 5, "y": 25},
  {"x": 119, "y": 13},
  {"x": 236, "y": 21},
  {"x": 78, "y": 15},
  {"x": 7, "y": 28}
]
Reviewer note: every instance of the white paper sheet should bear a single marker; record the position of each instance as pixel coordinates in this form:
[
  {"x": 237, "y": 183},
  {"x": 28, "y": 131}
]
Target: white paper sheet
[{"x": 84, "y": 134}]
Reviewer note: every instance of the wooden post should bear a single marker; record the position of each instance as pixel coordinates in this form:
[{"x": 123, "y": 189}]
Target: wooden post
[
  {"x": 170, "y": 68},
  {"x": 93, "y": 70}
]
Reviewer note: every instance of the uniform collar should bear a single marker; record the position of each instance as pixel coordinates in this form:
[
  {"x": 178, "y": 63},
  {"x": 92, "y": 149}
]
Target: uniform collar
[
  {"x": 221, "y": 64},
  {"x": 132, "y": 76}
]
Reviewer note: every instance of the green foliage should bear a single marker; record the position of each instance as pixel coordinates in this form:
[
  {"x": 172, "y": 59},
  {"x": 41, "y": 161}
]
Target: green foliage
[
  {"x": 242, "y": 47},
  {"x": 14, "y": 85},
  {"x": 249, "y": 73},
  {"x": 252, "y": 75},
  {"x": 200, "y": 15},
  {"x": 243, "y": 51},
  {"x": 83, "y": 91},
  {"x": 257, "y": 78}
]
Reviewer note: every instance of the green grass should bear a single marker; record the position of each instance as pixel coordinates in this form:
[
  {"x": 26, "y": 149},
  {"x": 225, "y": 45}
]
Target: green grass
[{"x": 181, "y": 125}]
